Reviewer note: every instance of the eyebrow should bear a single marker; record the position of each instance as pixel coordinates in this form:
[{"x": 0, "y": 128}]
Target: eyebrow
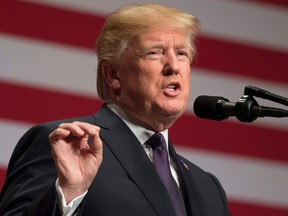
[{"x": 141, "y": 50}]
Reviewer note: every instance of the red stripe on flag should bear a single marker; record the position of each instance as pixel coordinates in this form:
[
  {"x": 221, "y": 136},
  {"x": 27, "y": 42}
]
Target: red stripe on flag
[
  {"x": 81, "y": 29},
  {"x": 241, "y": 208},
  {"x": 240, "y": 59},
  {"x": 36, "y": 105},
  {"x": 50, "y": 23},
  {"x": 273, "y": 2},
  {"x": 236, "y": 138},
  {"x": 2, "y": 176},
  {"x": 23, "y": 103}
]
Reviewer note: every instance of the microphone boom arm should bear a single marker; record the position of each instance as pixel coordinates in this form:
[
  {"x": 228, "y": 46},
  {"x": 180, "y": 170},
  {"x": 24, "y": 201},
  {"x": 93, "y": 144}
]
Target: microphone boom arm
[{"x": 261, "y": 93}]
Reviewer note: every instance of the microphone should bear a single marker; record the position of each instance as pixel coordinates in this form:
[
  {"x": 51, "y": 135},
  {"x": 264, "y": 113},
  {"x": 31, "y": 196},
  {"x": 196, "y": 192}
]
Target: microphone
[{"x": 246, "y": 109}]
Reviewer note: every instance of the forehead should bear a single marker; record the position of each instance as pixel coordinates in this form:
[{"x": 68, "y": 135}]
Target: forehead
[{"x": 161, "y": 36}]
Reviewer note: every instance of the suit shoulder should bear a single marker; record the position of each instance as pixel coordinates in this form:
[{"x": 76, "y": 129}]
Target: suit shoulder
[
  {"x": 37, "y": 137},
  {"x": 44, "y": 129},
  {"x": 201, "y": 176},
  {"x": 54, "y": 124},
  {"x": 208, "y": 184}
]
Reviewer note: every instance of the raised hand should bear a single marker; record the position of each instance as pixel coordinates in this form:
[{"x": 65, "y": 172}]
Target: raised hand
[{"x": 77, "y": 162}]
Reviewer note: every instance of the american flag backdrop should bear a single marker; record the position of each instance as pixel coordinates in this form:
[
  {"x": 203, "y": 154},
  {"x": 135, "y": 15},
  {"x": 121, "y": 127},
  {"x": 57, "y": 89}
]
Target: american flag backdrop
[{"x": 48, "y": 71}]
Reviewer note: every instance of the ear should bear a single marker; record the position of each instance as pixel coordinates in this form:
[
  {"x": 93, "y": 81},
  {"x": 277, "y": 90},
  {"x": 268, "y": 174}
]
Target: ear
[{"x": 111, "y": 75}]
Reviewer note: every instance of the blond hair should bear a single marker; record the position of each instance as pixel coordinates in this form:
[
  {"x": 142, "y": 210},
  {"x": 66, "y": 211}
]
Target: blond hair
[{"x": 132, "y": 19}]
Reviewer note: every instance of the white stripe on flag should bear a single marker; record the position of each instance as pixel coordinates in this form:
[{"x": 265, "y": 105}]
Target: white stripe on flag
[{"x": 10, "y": 134}]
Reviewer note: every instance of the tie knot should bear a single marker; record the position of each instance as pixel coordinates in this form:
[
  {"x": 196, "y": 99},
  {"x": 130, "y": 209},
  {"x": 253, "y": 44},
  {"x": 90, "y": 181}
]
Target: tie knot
[{"x": 156, "y": 140}]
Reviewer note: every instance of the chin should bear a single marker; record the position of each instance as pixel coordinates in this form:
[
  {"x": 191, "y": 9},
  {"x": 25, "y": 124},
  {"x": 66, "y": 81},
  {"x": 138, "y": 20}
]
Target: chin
[{"x": 175, "y": 111}]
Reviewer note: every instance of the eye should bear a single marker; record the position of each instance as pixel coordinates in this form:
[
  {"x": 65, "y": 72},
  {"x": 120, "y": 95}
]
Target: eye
[
  {"x": 182, "y": 54},
  {"x": 154, "y": 54}
]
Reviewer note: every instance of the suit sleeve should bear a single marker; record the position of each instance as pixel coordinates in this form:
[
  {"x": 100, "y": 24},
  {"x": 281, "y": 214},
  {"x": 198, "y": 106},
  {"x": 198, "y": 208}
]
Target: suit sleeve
[{"x": 29, "y": 188}]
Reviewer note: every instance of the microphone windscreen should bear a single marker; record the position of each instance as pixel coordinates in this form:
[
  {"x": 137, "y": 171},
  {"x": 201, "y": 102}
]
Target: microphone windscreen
[{"x": 208, "y": 107}]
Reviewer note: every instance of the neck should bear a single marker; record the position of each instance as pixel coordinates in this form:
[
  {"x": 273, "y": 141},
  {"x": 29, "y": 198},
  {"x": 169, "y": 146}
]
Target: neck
[{"x": 153, "y": 125}]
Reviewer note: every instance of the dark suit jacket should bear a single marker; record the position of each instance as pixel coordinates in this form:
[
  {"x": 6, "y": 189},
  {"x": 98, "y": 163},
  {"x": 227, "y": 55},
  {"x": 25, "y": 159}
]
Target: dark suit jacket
[{"x": 126, "y": 184}]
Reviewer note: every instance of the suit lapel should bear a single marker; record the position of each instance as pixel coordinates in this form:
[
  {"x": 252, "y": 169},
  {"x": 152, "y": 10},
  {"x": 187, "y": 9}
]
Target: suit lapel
[
  {"x": 130, "y": 153},
  {"x": 192, "y": 197}
]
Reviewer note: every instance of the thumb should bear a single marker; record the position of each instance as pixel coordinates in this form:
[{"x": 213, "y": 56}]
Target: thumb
[{"x": 96, "y": 146}]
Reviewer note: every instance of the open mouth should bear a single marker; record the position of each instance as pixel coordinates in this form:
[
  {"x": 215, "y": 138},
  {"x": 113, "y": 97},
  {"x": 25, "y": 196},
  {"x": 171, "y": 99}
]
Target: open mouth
[{"x": 172, "y": 87}]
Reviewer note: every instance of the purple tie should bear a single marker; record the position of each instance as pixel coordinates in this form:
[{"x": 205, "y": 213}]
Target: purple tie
[{"x": 160, "y": 156}]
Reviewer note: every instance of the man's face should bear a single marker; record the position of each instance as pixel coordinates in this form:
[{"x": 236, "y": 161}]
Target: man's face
[{"x": 154, "y": 76}]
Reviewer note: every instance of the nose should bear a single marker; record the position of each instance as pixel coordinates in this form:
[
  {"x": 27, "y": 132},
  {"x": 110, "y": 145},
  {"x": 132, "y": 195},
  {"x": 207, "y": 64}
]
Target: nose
[{"x": 171, "y": 64}]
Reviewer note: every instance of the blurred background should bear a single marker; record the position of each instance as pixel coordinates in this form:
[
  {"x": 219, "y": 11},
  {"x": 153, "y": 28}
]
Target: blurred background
[{"x": 48, "y": 71}]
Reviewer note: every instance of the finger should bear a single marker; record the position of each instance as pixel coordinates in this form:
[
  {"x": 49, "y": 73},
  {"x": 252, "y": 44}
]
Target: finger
[
  {"x": 73, "y": 128},
  {"x": 95, "y": 147},
  {"x": 58, "y": 134},
  {"x": 81, "y": 130},
  {"x": 94, "y": 132},
  {"x": 87, "y": 128}
]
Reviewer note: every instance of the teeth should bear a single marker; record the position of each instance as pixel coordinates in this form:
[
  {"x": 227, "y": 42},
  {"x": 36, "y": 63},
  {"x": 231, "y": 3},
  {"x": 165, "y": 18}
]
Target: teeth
[{"x": 171, "y": 87}]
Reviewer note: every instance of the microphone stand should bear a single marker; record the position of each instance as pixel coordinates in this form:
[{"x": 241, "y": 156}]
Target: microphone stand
[{"x": 247, "y": 109}]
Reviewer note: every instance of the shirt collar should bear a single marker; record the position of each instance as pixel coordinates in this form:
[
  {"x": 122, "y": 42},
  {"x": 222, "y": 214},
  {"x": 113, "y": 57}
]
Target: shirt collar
[{"x": 141, "y": 133}]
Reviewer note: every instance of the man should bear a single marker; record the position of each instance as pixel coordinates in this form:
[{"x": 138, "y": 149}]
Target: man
[{"x": 106, "y": 163}]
